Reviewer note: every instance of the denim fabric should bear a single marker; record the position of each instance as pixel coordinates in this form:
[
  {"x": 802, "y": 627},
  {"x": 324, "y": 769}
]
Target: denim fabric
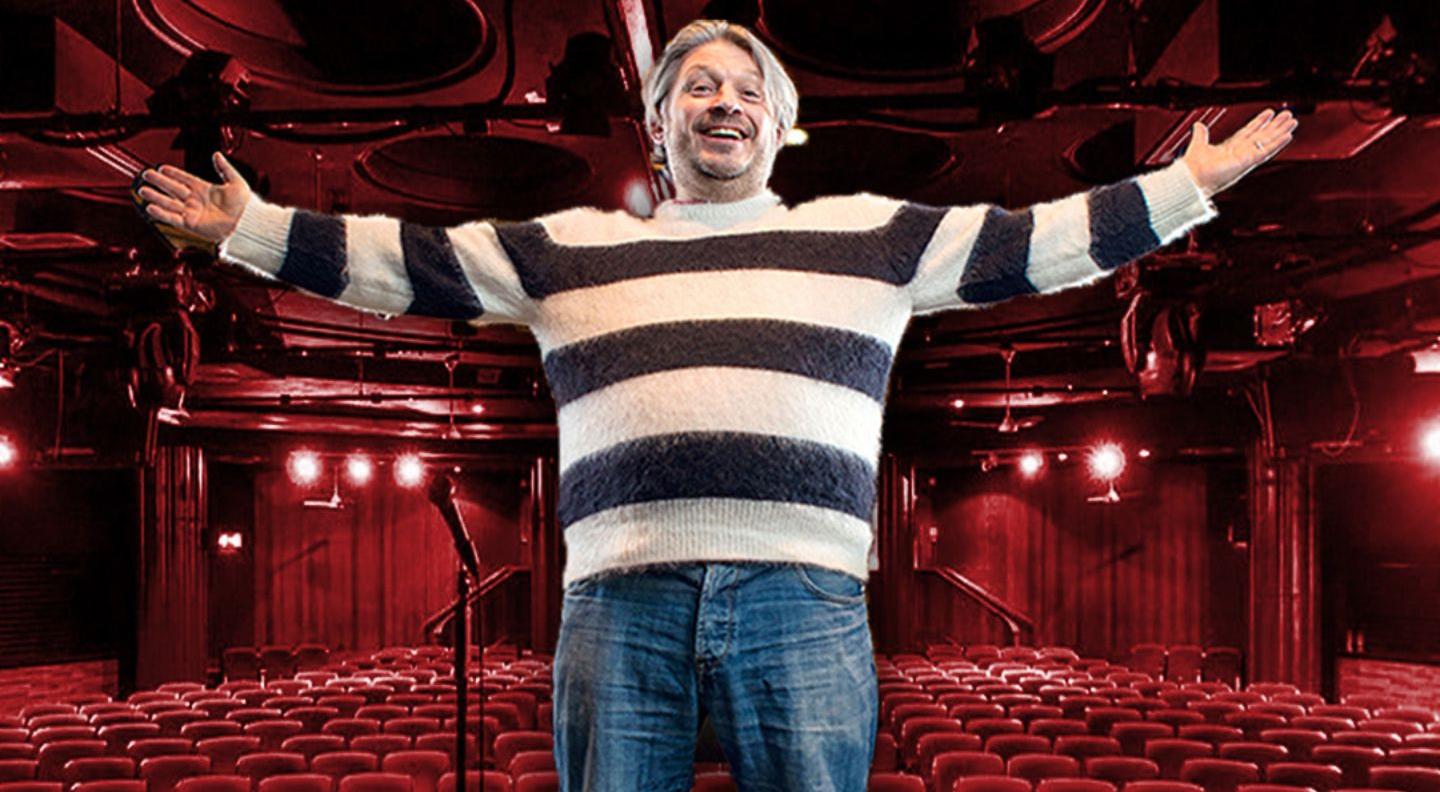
[{"x": 778, "y": 655}]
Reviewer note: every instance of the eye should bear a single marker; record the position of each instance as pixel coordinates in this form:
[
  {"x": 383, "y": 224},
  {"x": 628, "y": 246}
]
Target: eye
[
  {"x": 753, "y": 94},
  {"x": 701, "y": 88}
]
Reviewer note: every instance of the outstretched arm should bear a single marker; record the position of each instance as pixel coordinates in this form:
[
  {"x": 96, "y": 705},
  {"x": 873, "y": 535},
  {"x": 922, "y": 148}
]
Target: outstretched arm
[
  {"x": 376, "y": 263},
  {"x": 983, "y": 254}
]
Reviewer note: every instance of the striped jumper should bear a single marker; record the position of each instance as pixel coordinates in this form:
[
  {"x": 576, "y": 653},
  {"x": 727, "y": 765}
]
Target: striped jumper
[{"x": 720, "y": 369}]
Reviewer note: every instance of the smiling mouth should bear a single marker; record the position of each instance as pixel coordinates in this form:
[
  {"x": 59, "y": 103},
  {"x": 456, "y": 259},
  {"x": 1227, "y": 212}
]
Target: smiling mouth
[{"x": 723, "y": 133}]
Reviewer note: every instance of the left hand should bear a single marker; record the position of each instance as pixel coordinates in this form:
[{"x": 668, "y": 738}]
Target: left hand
[{"x": 1216, "y": 167}]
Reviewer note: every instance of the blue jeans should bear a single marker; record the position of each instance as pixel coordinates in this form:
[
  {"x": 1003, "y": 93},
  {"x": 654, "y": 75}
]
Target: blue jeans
[{"x": 778, "y": 655}]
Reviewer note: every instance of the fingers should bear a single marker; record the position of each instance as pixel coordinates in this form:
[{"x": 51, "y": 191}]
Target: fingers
[
  {"x": 170, "y": 185},
  {"x": 185, "y": 177},
  {"x": 164, "y": 215},
  {"x": 154, "y": 196},
  {"x": 227, "y": 172},
  {"x": 1260, "y": 119}
]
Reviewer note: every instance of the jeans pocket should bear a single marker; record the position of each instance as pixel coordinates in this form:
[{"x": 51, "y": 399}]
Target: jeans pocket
[{"x": 830, "y": 585}]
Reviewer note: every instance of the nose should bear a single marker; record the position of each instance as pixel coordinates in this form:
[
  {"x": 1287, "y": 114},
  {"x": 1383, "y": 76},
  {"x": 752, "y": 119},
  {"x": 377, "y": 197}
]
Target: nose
[{"x": 726, "y": 99}]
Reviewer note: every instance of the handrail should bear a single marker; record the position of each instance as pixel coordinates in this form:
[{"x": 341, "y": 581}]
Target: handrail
[
  {"x": 1015, "y": 622},
  {"x": 438, "y": 619}
]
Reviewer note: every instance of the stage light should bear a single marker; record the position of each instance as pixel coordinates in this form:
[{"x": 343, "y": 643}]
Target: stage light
[
  {"x": 304, "y": 467},
  {"x": 8, "y": 452},
  {"x": 958, "y": 404},
  {"x": 638, "y": 200},
  {"x": 7, "y": 376},
  {"x": 229, "y": 541},
  {"x": 1430, "y": 442},
  {"x": 359, "y": 469},
  {"x": 796, "y": 137},
  {"x": 409, "y": 471},
  {"x": 1107, "y": 461},
  {"x": 1143, "y": 453},
  {"x": 1030, "y": 463},
  {"x": 1062, "y": 457}
]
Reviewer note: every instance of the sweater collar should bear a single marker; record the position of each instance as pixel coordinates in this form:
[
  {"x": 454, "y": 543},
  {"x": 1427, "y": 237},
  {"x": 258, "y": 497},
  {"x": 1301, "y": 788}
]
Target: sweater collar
[{"x": 718, "y": 215}]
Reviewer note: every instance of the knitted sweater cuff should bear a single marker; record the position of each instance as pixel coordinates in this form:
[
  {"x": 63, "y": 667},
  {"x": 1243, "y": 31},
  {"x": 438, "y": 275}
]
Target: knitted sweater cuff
[
  {"x": 260, "y": 239},
  {"x": 1175, "y": 201}
]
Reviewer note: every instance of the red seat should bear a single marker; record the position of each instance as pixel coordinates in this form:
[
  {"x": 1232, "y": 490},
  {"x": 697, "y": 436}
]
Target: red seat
[
  {"x": 915, "y": 728},
  {"x": 423, "y": 767},
  {"x": 1074, "y": 785},
  {"x": 1320, "y": 777},
  {"x": 1057, "y": 727},
  {"x": 1298, "y": 741},
  {"x": 383, "y": 744},
  {"x": 339, "y": 763},
  {"x": 162, "y": 773},
  {"x": 1323, "y": 723},
  {"x": 32, "y": 786},
  {"x": 50, "y": 734},
  {"x": 382, "y": 712},
  {"x": 297, "y": 782},
  {"x": 1175, "y": 718},
  {"x": 151, "y": 747},
  {"x": 351, "y": 727},
  {"x": 273, "y": 732},
  {"x": 376, "y": 782},
  {"x": 1379, "y": 740},
  {"x": 96, "y": 768},
  {"x": 489, "y": 781},
  {"x": 1084, "y": 746},
  {"x": 710, "y": 781},
  {"x": 887, "y": 753},
  {"x": 932, "y": 745},
  {"x": 260, "y": 766},
  {"x": 1133, "y": 735},
  {"x": 1354, "y": 761},
  {"x": 1253, "y": 723},
  {"x": 1038, "y": 766},
  {"x": 110, "y": 785},
  {"x": 894, "y": 782},
  {"x": 51, "y": 757},
  {"x": 442, "y": 741},
  {"x": 1418, "y": 757},
  {"x": 531, "y": 762},
  {"x": 1405, "y": 779},
  {"x": 1162, "y": 786},
  {"x": 537, "y": 782},
  {"x": 118, "y": 735},
  {"x": 1099, "y": 719},
  {"x": 1219, "y": 775},
  {"x": 214, "y": 783},
  {"x": 1389, "y": 726},
  {"x": 988, "y": 727},
  {"x": 17, "y": 769},
  {"x": 992, "y": 783},
  {"x": 206, "y": 729},
  {"x": 311, "y": 745},
  {"x": 1172, "y": 753},
  {"x": 1258, "y": 753},
  {"x": 510, "y": 743},
  {"x": 1213, "y": 733},
  {"x": 1008, "y": 745},
  {"x": 224, "y": 752},
  {"x": 953, "y": 765},
  {"x": 1121, "y": 770}
]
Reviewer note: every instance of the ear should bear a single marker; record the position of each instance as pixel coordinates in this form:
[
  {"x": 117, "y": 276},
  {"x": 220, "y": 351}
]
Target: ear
[{"x": 657, "y": 134}]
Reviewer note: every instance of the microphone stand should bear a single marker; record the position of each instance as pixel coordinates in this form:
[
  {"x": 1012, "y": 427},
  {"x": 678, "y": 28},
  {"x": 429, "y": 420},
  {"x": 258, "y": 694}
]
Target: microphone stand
[{"x": 442, "y": 494}]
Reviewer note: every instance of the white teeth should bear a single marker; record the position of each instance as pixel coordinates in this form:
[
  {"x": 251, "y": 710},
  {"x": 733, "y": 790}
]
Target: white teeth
[{"x": 725, "y": 133}]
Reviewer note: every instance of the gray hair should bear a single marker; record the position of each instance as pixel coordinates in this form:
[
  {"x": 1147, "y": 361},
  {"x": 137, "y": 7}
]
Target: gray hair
[{"x": 780, "y": 91}]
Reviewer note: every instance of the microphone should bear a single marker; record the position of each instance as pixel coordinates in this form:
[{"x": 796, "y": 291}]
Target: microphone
[{"x": 442, "y": 494}]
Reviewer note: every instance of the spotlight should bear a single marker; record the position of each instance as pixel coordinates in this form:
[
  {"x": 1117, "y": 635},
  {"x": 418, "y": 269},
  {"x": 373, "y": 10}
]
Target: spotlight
[
  {"x": 1143, "y": 453},
  {"x": 7, "y": 376},
  {"x": 796, "y": 137},
  {"x": 359, "y": 469},
  {"x": 8, "y": 452},
  {"x": 1107, "y": 461},
  {"x": 229, "y": 541},
  {"x": 1030, "y": 463},
  {"x": 409, "y": 471},
  {"x": 958, "y": 404},
  {"x": 304, "y": 467},
  {"x": 1062, "y": 457},
  {"x": 1430, "y": 442}
]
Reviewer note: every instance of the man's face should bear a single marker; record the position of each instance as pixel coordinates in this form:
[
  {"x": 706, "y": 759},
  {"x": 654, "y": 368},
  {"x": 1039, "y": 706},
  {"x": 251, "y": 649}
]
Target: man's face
[{"x": 718, "y": 131}]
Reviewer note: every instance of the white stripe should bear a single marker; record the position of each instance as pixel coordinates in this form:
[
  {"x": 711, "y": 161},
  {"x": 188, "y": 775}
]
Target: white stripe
[
  {"x": 937, "y": 278},
  {"x": 488, "y": 268},
  {"x": 857, "y": 304},
  {"x": 720, "y": 399},
  {"x": 1060, "y": 245},
  {"x": 716, "y": 529},
  {"x": 376, "y": 266}
]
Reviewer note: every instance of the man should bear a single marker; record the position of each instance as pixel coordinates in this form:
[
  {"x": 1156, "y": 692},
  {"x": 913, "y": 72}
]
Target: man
[{"x": 720, "y": 372}]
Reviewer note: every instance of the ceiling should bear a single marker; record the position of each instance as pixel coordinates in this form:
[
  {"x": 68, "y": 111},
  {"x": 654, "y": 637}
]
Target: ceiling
[{"x": 456, "y": 109}]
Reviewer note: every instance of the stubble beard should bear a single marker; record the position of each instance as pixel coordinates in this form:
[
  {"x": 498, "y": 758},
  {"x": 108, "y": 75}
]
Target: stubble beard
[{"x": 710, "y": 183}]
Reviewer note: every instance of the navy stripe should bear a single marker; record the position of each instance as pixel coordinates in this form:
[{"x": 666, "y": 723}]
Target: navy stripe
[
  {"x": 888, "y": 253},
  {"x": 315, "y": 254},
  {"x": 996, "y": 268},
  {"x": 853, "y": 360},
  {"x": 1120, "y": 229},
  {"x": 440, "y": 286},
  {"x": 717, "y": 465}
]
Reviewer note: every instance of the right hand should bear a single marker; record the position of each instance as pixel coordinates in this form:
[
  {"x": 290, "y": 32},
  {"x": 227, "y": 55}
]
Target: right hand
[{"x": 211, "y": 211}]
